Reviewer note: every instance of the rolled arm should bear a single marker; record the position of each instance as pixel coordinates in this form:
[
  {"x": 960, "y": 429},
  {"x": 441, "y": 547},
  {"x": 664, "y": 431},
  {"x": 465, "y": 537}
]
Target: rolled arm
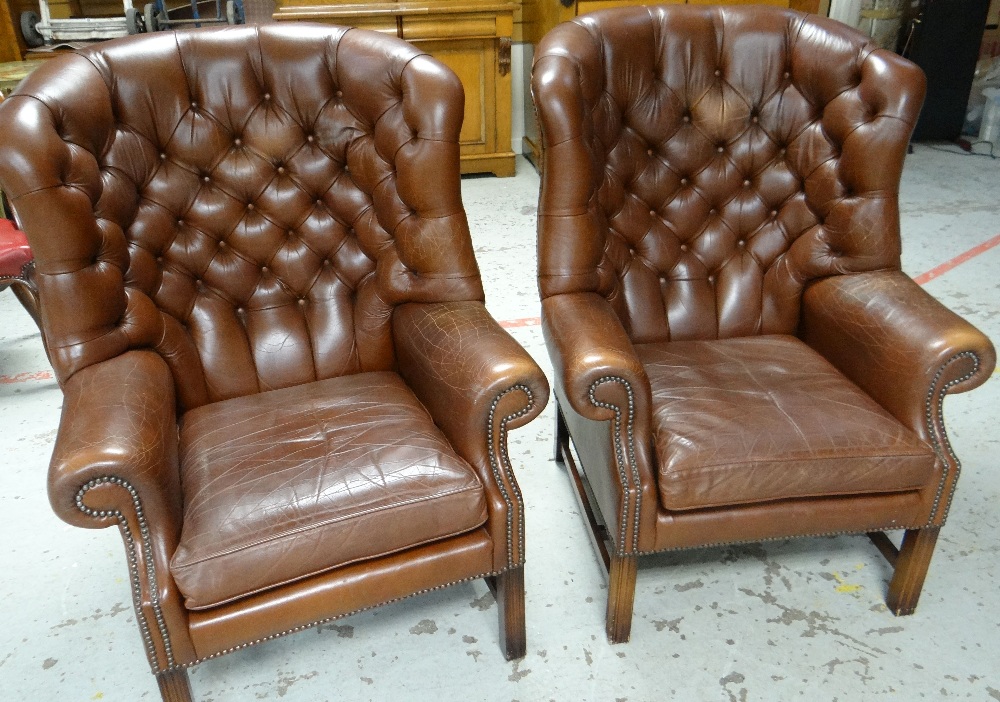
[
  {"x": 477, "y": 383},
  {"x": 897, "y": 342},
  {"x": 599, "y": 375},
  {"x": 589, "y": 349},
  {"x": 115, "y": 463}
]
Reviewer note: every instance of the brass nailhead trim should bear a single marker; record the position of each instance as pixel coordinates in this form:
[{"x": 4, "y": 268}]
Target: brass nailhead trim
[
  {"x": 508, "y": 471},
  {"x": 930, "y": 407},
  {"x": 624, "y": 457},
  {"x": 133, "y": 565},
  {"x": 303, "y": 627}
]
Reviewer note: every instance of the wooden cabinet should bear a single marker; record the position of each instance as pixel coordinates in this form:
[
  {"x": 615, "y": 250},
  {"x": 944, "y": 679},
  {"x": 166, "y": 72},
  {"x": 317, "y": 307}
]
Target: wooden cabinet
[{"x": 471, "y": 37}]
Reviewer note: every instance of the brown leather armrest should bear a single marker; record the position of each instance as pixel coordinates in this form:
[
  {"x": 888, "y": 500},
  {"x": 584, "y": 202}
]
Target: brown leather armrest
[
  {"x": 892, "y": 338},
  {"x": 115, "y": 463},
  {"x": 588, "y": 345},
  {"x": 461, "y": 363},
  {"x": 477, "y": 383},
  {"x": 117, "y": 445}
]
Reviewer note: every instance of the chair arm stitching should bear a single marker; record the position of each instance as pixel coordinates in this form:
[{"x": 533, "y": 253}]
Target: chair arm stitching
[
  {"x": 930, "y": 408},
  {"x": 508, "y": 471},
  {"x": 624, "y": 456},
  {"x": 133, "y": 566}
]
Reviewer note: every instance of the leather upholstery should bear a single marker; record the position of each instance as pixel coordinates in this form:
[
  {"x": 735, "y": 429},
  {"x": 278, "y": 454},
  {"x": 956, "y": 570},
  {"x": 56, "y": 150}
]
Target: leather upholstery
[
  {"x": 261, "y": 299},
  {"x": 286, "y": 484},
  {"x": 765, "y": 418},
  {"x": 737, "y": 354},
  {"x": 709, "y": 189}
]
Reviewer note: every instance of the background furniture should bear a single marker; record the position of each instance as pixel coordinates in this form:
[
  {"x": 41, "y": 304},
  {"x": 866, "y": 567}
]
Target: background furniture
[
  {"x": 471, "y": 37},
  {"x": 17, "y": 268},
  {"x": 263, "y": 306},
  {"x": 737, "y": 354}
]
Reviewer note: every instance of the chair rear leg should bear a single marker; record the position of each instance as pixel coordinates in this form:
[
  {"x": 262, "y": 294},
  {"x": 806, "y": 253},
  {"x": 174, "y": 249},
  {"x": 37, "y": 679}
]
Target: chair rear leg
[
  {"x": 174, "y": 686},
  {"x": 562, "y": 434},
  {"x": 911, "y": 569},
  {"x": 621, "y": 594},
  {"x": 508, "y": 590}
]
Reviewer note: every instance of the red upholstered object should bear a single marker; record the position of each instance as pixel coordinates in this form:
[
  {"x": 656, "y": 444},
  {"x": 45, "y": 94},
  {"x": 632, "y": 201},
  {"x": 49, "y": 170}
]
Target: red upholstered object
[{"x": 14, "y": 250}]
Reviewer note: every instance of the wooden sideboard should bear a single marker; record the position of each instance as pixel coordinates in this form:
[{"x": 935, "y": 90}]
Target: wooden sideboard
[{"x": 472, "y": 37}]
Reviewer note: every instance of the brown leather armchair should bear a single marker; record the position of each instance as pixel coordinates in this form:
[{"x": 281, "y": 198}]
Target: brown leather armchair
[
  {"x": 737, "y": 354},
  {"x": 260, "y": 297}
]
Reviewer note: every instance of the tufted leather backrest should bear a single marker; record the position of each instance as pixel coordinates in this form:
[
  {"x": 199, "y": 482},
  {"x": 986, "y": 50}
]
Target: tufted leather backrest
[
  {"x": 703, "y": 164},
  {"x": 250, "y": 202}
]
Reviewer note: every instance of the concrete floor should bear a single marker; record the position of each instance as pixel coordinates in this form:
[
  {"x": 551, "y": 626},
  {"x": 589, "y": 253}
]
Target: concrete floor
[{"x": 801, "y": 619}]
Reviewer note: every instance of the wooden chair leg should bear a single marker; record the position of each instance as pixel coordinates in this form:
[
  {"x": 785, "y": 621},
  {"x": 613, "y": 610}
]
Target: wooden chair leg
[
  {"x": 508, "y": 590},
  {"x": 621, "y": 595},
  {"x": 562, "y": 434},
  {"x": 174, "y": 686},
  {"x": 911, "y": 568}
]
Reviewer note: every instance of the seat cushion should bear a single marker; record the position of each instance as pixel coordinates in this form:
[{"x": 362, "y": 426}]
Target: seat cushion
[
  {"x": 765, "y": 418},
  {"x": 293, "y": 482}
]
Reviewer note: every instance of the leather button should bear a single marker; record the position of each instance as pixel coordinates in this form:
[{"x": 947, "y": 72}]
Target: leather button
[
  {"x": 652, "y": 213},
  {"x": 713, "y": 211},
  {"x": 265, "y": 269},
  {"x": 250, "y": 206},
  {"x": 741, "y": 243},
  {"x": 238, "y": 142},
  {"x": 222, "y": 244},
  {"x": 684, "y": 247},
  {"x": 746, "y": 183},
  {"x": 649, "y": 152},
  {"x": 687, "y": 118},
  {"x": 340, "y": 93},
  {"x": 302, "y": 302},
  {"x": 720, "y": 149},
  {"x": 180, "y": 222},
  {"x": 163, "y": 157},
  {"x": 663, "y": 279},
  {"x": 206, "y": 178},
  {"x": 310, "y": 138},
  {"x": 267, "y": 96},
  {"x": 711, "y": 279},
  {"x": 684, "y": 181},
  {"x": 281, "y": 169},
  {"x": 774, "y": 213},
  {"x": 755, "y": 119},
  {"x": 240, "y": 310},
  {"x": 717, "y": 73},
  {"x": 194, "y": 105},
  {"x": 788, "y": 74}
]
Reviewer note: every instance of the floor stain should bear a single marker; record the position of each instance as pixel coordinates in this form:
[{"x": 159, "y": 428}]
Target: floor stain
[
  {"x": 49, "y": 662},
  {"x": 469, "y": 639},
  {"x": 475, "y": 653},
  {"x": 517, "y": 674},
  {"x": 424, "y": 626},
  {"x": 483, "y": 603},
  {"x": 730, "y": 679},
  {"x": 588, "y": 657},
  {"x": 693, "y": 585},
  {"x": 671, "y": 624},
  {"x": 287, "y": 681},
  {"x": 344, "y": 631}
]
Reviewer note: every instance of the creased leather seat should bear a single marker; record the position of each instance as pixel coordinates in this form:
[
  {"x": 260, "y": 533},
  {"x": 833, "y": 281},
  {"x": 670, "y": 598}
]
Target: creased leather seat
[
  {"x": 737, "y": 354},
  {"x": 262, "y": 303}
]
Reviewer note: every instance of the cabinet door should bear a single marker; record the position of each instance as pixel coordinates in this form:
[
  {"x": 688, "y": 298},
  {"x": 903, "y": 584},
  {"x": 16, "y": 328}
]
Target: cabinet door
[
  {"x": 485, "y": 136},
  {"x": 473, "y": 62}
]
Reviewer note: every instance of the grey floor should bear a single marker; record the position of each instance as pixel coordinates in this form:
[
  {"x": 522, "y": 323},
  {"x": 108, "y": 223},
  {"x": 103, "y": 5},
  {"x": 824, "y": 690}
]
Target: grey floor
[{"x": 791, "y": 620}]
